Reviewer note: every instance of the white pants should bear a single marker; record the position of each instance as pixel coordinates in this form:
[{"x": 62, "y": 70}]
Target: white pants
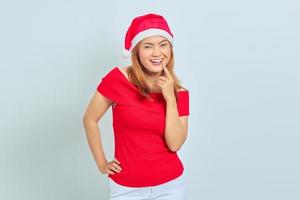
[{"x": 171, "y": 190}]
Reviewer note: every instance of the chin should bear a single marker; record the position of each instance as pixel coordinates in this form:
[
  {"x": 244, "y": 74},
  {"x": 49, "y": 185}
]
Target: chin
[{"x": 154, "y": 69}]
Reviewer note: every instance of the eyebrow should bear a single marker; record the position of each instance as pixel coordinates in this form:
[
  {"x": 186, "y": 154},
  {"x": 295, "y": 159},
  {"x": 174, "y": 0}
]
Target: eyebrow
[{"x": 159, "y": 42}]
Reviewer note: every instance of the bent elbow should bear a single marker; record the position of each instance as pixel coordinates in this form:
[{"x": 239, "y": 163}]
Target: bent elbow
[
  {"x": 84, "y": 118},
  {"x": 87, "y": 119},
  {"x": 174, "y": 148}
]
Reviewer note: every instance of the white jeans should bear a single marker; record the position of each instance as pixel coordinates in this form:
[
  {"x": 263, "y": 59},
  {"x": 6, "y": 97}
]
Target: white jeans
[{"x": 171, "y": 190}]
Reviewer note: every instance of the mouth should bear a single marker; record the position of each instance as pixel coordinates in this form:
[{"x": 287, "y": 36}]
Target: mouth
[{"x": 156, "y": 61}]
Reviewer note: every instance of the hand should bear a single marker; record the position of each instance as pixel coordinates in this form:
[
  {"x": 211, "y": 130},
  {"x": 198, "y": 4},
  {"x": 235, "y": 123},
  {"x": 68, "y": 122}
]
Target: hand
[
  {"x": 111, "y": 167},
  {"x": 166, "y": 83}
]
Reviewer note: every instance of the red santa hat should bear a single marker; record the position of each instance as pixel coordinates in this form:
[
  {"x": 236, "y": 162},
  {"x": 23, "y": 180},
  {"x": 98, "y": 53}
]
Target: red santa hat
[{"x": 146, "y": 26}]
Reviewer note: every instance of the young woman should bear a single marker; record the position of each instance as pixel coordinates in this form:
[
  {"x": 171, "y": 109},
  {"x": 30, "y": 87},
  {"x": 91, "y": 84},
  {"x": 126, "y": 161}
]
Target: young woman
[{"x": 150, "y": 117}]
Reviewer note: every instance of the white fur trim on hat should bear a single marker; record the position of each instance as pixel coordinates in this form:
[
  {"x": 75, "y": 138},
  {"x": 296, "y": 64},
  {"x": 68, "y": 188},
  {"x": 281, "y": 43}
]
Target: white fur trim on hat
[
  {"x": 148, "y": 33},
  {"x": 125, "y": 53}
]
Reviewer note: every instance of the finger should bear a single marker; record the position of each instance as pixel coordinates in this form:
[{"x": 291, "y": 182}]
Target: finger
[
  {"x": 110, "y": 171},
  {"x": 163, "y": 78},
  {"x": 116, "y": 166},
  {"x": 112, "y": 168},
  {"x": 166, "y": 71},
  {"x": 116, "y": 161},
  {"x": 159, "y": 82}
]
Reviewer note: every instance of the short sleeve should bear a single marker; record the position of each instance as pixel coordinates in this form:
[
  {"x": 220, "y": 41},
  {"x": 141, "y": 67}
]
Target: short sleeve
[
  {"x": 109, "y": 86},
  {"x": 183, "y": 106}
]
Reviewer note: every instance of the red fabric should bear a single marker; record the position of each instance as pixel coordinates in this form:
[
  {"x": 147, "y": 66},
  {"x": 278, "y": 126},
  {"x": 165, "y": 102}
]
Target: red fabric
[
  {"x": 143, "y": 23},
  {"x": 138, "y": 126}
]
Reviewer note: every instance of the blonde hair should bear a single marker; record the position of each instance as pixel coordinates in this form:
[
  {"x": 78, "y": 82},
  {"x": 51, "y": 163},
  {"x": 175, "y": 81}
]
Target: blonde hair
[{"x": 136, "y": 73}]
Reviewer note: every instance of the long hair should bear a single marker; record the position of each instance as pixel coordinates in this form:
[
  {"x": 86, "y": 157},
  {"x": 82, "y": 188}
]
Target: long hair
[{"x": 136, "y": 73}]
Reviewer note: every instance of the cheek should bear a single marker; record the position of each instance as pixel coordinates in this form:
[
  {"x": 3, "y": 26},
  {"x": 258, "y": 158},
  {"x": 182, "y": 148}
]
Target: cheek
[
  {"x": 144, "y": 60},
  {"x": 144, "y": 57},
  {"x": 167, "y": 52}
]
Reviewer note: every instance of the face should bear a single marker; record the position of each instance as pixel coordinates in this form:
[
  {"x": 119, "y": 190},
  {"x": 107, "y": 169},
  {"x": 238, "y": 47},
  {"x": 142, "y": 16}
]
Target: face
[{"x": 153, "y": 52}]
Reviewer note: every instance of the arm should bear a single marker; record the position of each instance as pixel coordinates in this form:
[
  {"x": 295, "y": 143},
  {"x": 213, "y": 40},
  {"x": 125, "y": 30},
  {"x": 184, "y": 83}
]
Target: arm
[
  {"x": 176, "y": 126},
  {"x": 95, "y": 110}
]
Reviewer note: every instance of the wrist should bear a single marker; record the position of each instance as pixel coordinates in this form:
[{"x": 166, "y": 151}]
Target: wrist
[
  {"x": 171, "y": 100},
  {"x": 100, "y": 165}
]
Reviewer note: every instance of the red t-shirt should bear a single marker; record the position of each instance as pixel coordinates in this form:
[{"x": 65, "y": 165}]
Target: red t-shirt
[{"x": 139, "y": 126}]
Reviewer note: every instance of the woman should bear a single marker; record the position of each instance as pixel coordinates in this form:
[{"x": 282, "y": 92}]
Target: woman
[{"x": 150, "y": 117}]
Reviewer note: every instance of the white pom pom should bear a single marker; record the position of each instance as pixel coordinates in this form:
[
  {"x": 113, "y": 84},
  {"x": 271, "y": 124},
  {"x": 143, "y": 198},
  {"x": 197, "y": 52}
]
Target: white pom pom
[{"x": 125, "y": 53}]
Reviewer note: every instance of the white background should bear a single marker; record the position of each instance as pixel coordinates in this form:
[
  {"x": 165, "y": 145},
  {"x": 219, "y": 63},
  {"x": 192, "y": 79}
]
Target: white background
[{"x": 239, "y": 60}]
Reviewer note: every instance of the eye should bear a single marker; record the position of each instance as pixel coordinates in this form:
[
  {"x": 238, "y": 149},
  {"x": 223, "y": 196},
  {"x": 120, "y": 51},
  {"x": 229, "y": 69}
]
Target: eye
[
  {"x": 165, "y": 44},
  {"x": 147, "y": 47}
]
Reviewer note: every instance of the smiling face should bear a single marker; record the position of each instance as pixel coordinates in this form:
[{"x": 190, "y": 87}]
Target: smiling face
[{"x": 153, "y": 52}]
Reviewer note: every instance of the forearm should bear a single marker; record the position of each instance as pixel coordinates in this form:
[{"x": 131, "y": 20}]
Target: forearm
[
  {"x": 174, "y": 131},
  {"x": 94, "y": 141}
]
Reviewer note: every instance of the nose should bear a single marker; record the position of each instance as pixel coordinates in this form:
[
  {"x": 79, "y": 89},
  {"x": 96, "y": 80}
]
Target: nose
[{"x": 156, "y": 51}]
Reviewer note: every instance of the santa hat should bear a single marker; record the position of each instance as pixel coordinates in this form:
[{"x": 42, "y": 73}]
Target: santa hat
[{"x": 145, "y": 26}]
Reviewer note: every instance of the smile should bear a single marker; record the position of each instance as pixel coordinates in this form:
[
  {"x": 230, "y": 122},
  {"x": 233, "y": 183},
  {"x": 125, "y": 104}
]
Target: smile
[{"x": 156, "y": 61}]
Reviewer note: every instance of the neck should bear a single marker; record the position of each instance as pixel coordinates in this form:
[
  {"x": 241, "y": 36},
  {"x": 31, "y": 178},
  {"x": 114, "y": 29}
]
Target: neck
[{"x": 151, "y": 81}]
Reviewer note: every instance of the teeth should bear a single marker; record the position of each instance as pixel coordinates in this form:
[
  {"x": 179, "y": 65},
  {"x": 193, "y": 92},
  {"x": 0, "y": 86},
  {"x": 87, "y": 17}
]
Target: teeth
[{"x": 156, "y": 61}]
